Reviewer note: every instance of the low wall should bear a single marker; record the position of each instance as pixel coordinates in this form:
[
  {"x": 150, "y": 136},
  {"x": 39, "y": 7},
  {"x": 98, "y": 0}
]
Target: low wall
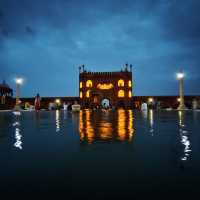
[
  {"x": 46, "y": 100},
  {"x": 10, "y": 103},
  {"x": 164, "y": 101}
]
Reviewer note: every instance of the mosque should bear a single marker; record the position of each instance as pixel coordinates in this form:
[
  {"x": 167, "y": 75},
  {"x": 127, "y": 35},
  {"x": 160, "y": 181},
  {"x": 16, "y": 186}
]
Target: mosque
[
  {"x": 100, "y": 89},
  {"x": 106, "y": 89}
]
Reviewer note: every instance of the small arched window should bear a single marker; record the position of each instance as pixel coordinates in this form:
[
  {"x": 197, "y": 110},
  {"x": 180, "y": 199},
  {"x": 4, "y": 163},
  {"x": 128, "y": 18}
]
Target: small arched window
[
  {"x": 81, "y": 84},
  {"x": 129, "y": 94},
  {"x": 89, "y": 83},
  {"x": 129, "y": 83},
  {"x": 88, "y": 94},
  {"x": 121, "y": 83},
  {"x": 81, "y": 95},
  {"x": 121, "y": 93}
]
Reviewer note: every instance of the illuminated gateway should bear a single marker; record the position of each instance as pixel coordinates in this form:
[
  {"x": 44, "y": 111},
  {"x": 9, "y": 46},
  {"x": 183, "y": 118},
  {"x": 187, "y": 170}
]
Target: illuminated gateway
[{"x": 106, "y": 88}]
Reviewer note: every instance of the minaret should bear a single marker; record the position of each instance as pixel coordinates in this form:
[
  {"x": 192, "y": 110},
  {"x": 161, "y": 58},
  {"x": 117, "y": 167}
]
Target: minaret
[
  {"x": 79, "y": 68},
  {"x": 83, "y": 67},
  {"x": 131, "y": 67},
  {"x": 126, "y": 67}
]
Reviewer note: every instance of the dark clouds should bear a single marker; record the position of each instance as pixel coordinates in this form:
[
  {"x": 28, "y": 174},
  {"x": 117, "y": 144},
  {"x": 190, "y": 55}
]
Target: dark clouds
[{"x": 46, "y": 40}]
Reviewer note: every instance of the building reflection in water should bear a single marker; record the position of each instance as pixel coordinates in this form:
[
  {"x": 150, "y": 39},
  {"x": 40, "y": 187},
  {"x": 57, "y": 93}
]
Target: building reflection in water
[
  {"x": 121, "y": 126},
  {"x": 130, "y": 125},
  {"x": 151, "y": 121},
  {"x": 184, "y": 137},
  {"x": 86, "y": 129},
  {"x": 105, "y": 130},
  {"x": 106, "y": 126},
  {"x": 57, "y": 120},
  {"x": 18, "y": 135}
]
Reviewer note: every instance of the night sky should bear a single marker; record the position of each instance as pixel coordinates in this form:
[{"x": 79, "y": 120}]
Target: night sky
[{"x": 45, "y": 41}]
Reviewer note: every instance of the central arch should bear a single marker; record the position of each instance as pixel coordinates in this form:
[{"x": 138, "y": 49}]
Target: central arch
[{"x": 105, "y": 103}]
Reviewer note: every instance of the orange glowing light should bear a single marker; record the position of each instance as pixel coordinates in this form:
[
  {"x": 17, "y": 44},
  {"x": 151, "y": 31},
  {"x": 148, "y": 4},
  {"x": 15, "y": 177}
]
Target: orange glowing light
[
  {"x": 86, "y": 129},
  {"x": 105, "y": 86},
  {"x": 130, "y": 125},
  {"x": 81, "y": 125},
  {"x": 88, "y": 94},
  {"x": 81, "y": 84},
  {"x": 121, "y": 93},
  {"x": 105, "y": 130},
  {"x": 121, "y": 125},
  {"x": 129, "y": 83},
  {"x": 89, "y": 83},
  {"x": 89, "y": 128},
  {"x": 121, "y": 83},
  {"x": 129, "y": 94},
  {"x": 81, "y": 95}
]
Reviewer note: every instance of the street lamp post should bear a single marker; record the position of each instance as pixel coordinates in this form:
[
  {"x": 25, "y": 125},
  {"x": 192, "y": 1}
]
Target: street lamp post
[
  {"x": 180, "y": 77},
  {"x": 19, "y": 82}
]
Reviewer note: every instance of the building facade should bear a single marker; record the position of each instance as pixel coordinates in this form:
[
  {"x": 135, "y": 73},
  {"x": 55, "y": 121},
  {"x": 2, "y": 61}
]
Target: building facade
[
  {"x": 113, "y": 89},
  {"x": 6, "y": 94}
]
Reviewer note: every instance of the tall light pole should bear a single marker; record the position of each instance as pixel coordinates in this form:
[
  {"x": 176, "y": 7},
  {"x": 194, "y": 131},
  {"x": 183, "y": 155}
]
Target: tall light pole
[
  {"x": 18, "y": 81},
  {"x": 180, "y": 77}
]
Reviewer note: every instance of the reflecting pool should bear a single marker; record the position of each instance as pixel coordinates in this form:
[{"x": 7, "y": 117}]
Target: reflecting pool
[{"x": 95, "y": 154}]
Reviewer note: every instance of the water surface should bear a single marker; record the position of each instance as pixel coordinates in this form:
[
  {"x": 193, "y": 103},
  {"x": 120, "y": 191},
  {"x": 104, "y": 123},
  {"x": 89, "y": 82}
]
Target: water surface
[{"x": 94, "y": 154}]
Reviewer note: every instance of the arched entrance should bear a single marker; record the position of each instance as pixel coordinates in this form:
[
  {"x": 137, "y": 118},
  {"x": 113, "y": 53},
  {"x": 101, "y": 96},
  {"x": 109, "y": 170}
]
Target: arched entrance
[{"x": 105, "y": 103}]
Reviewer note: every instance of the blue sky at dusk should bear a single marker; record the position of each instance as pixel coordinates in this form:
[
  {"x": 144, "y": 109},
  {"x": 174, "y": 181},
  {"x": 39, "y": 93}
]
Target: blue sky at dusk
[{"x": 46, "y": 40}]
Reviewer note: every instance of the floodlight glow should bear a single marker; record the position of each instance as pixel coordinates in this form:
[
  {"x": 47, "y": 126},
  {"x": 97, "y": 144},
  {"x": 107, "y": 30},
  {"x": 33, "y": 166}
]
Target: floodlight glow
[
  {"x": 180, "y": 75},
  {"x": 19, "y": 81},
  {"x": 150, "y": 100},
  {"x": 57, "y": 101}
]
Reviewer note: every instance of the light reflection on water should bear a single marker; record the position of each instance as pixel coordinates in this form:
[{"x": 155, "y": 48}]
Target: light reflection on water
[
  {"x": 148, "y": 120},
  {"x": 184, "y": 134},
  {"x": 144, "y": 114},
  {"x": 151, "y": 121},
  {"x": 57, "y": 120},
  {"x": 106, "y": 126},
  {"x": 97, "y": 126},
  {"x": 104, "y": 142},
  {"x": 18, "y": 135},
  {"x": 121, "y": 125}
]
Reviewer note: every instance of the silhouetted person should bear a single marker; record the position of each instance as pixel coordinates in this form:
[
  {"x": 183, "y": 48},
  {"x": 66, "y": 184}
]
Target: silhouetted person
[
  {"x": 37, "y": 102},
  {"x": 69, "y": 107}
]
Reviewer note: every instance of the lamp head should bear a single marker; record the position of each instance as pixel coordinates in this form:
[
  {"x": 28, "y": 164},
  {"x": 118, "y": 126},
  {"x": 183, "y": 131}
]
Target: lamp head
[
  {"x": 180, "y": 75},
  {"x": 19, "y": 81},
  {"x": 57, "y": 101},
  {"x": 150, "y": 100}
]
